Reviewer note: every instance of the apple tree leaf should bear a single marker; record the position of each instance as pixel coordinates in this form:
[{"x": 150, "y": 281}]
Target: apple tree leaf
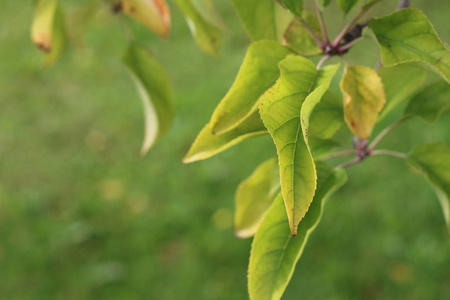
[
  {"x": 275, "y": 251},
  {"x": 434, "y": 161},
  {"x": 153, "y": 85},
  {"x": 364, "y": 97},
  {"x": 407, "y": 35},
  {"x": 258, "y": 73},
  {"x": 298, "y": 37},
  {"x": 285, "y": 110},
  {"x": 254, "y": 197}
]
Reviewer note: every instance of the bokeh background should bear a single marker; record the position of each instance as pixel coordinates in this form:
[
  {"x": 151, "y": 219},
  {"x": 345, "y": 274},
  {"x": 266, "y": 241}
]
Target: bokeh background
[{"x": 83, "y": 216}]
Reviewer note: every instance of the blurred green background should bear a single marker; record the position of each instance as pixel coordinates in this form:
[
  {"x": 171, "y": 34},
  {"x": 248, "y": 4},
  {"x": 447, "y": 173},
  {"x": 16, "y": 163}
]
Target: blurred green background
[{"x": 83, "y": 216}]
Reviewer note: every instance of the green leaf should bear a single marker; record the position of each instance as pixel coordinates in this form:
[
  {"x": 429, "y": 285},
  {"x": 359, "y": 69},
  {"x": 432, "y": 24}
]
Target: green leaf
[
  {"x": 153, "y": 85},
  {"x": 275, "y": 251},
  {"x": 258, "y": 72},
  {"x": 364, "y": 97},
  {"x": 400, "y": 82},
  {"x": 202, "y": 19},
  {"x": 323, "y": 3},
  {"x": 407, "y": 35},
  {"x": 42, "y": 26},
  {"x": 298, "y": 37},
  {"x": 263, "y": 19},
  {"x": 347, "y": 5},
  {"x": 295, "y": 7},
  {"x": 369, "y": 3},
  {"x": 430, "y": 102},
  {"x": 327, "y": 117},
  {"x": 154, "y": 14},
  {"x": 434, "y": 161},
  {"x": 285, "y": 111},
  {"x": 254, "y": 197},
  {"x": 207, "y": 144}
]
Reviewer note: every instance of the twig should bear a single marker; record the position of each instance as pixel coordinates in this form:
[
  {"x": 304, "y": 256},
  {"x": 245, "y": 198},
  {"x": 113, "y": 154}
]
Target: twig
[
  {"x": 348, "y": 163},
  {"x": 351, "y": 44},
  {"x": 322, "y": 24},
  {"x": 339, "y": 154},
  {"x": 322, "y": 61},
  {"x": 388, "y": 152},
  {"x": 383, "y": 133},
  {"x": 403, "y": 4}
]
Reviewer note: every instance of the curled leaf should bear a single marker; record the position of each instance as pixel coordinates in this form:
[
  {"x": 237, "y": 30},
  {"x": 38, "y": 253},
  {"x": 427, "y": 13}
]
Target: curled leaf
[{"x": 153, "y": 86}]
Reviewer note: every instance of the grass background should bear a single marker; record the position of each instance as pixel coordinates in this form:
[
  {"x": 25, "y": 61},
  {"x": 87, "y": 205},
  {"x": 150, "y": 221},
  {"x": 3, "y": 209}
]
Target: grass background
[{"x": 83, "y": 216}]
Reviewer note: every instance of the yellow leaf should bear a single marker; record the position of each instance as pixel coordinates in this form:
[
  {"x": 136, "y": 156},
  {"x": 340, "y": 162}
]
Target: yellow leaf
[
  {"x": 42, "y": 27},
  {"x": 364, "y": 97}
]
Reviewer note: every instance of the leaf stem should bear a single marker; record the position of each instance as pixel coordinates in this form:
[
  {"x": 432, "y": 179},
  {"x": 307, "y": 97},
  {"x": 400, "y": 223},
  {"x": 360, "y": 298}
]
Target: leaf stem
[
  {"x": 339, "y": 154},
  {"x": 339, "y": 37},
  {"x": 322, "y": 61},
  {"x": 348, "y": 163},
  {"x": 351, "y": 44},
  {"x": 383, "y": 133},
  {"x": 388, "y": 152},
  {"x": 322, "y": 24}
]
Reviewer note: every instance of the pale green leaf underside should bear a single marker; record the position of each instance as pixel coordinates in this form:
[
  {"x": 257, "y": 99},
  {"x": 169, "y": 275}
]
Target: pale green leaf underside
[
  {"x": 258, "y": 72},
  {"x": 263, "y": 19},
  {"x": 254, "y": 197},
  {"x": 207, "y": 35},
  {"x": 407, "y": 35},
  {"x": 207, "y": 144},
  {"x": 364, "y": 97},
  {"x": 400, "y": 82},
  {"x": 287, "y": 120},
  {"x": 298, "y": 37},
  {"x": 434, "y": 161},
  {"x": 275, "y": 251},
  {"x": 153, "y": 85},
  {"x": 430, "y": 102}
]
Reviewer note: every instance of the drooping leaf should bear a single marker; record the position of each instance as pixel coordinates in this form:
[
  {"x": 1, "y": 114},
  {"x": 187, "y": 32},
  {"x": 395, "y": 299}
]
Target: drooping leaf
[
  {"x": 59, "y": 38},
  {"x": 203, "y": 22},
  {"x": 207, "y": 144},
  {"x": 295, "y": 7},
  {"x": 321, "y": 147},
  {"x": 407, "y": 35},
  {"x": 254, "y": 197},
  {"x": 364, "y": 97},
  {"x": 327, "y": 117},
  {"x": 275, "y": 251},
  {"x": 285, "y": 111},
  {"x": 400, "y": 82},
  {"x": 153, "y": 85},
  {"x": 263, "y": 19},
  {"x": 78, "y": 21},
  {"x": 298, "y": 37},
  {"x": 434, "y": 161},
  {"x": 42, "y": 27},
  {"x": 430, "y": 102},
  {"x": 258, "y": 72},
  {"x": 347, "y": 5},
  {"x": 154, "y": 14}
]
